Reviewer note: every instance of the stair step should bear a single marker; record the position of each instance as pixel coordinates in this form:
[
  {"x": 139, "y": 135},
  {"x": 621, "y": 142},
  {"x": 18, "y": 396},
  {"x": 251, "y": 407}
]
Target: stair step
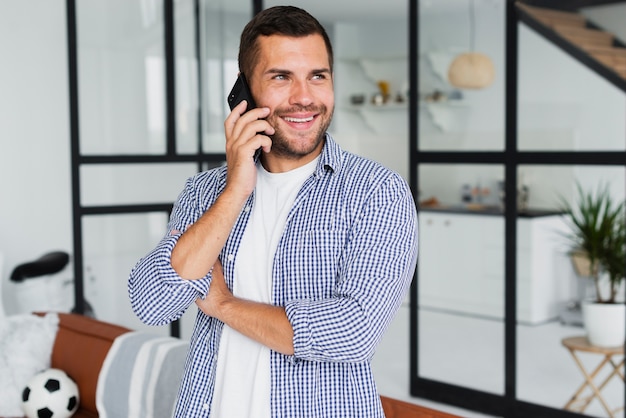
[
  {"x": 605, "y": 50},
  {"x": 553, "y": 17},
  {"x": 610, "y": 60},
  {"x": 573, "y": 27},
  {"x": 581, "y": 36},
  {"x": 618, "y": 67}
]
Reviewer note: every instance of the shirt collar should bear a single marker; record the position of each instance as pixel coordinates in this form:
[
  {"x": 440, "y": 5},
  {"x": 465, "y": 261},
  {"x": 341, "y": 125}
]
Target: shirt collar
[{"x": 330, "y": 159}]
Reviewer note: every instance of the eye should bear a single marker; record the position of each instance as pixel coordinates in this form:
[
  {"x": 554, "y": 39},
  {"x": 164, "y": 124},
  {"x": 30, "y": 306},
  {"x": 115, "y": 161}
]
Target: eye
[{"x": 280, "y": 77}]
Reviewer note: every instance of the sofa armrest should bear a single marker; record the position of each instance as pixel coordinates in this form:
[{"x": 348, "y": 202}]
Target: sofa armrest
[{"x": 80, "y": 347}]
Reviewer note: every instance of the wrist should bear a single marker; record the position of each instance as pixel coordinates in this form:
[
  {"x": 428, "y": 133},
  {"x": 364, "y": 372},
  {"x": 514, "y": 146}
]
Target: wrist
[
  {"x": 224, "y": 307},
  {"x": 234, "y": 196}
]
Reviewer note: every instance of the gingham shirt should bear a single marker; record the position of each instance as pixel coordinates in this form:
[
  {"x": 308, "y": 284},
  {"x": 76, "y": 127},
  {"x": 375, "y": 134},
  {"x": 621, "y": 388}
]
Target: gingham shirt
[{"x": 342, "y": 268}]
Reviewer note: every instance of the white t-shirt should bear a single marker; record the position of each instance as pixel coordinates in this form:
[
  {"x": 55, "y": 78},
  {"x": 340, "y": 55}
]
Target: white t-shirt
[{"x": 242, "y": 385}]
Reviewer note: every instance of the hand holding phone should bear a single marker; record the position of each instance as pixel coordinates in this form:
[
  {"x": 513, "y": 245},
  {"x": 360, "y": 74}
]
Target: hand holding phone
[{"x": 240, "y": 92}]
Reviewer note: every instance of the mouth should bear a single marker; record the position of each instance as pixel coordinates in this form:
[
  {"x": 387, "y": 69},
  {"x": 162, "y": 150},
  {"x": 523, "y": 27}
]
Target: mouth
[{"x": 298, "y": 120}]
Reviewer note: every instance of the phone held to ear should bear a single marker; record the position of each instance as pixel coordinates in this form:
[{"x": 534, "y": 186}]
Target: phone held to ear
[{"x": 240, "y": 92}]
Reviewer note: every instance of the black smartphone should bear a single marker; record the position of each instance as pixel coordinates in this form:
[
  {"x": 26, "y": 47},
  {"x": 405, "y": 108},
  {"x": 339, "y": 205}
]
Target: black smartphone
[{"x": 239, "y": 92}]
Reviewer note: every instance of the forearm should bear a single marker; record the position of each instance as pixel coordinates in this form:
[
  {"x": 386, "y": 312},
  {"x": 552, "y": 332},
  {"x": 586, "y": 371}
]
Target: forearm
[
  {"x": 266, "y": 324},
  {"x": 198, "y": 248}
]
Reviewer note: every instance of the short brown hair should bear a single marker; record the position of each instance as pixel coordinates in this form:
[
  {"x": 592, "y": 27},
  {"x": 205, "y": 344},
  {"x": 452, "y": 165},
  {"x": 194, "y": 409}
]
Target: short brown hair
[{"x": 278, "y": 20}]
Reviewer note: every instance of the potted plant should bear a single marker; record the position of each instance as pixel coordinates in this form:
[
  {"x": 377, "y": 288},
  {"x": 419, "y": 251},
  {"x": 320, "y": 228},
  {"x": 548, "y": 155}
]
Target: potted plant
[{"x": 598, "y": 241}]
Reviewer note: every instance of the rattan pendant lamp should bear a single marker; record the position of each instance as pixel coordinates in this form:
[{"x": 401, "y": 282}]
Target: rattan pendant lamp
[{"x": 471, "y": 70}]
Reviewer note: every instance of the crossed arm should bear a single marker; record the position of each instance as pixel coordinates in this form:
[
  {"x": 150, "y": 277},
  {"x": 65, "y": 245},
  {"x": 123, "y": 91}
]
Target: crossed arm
[{"x": 197, "y": 250}]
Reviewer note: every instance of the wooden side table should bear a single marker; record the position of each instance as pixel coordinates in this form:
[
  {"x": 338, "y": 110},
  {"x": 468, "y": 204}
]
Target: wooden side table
[{"x": 578, "y": 402}]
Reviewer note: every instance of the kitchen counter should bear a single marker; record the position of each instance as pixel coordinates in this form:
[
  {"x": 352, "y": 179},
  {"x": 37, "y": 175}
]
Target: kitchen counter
[{"x": 490, "y": 210}]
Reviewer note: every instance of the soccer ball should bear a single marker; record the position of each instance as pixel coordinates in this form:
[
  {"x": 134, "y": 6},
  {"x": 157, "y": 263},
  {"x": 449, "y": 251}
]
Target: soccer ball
[{"x": 50, "y": 394}]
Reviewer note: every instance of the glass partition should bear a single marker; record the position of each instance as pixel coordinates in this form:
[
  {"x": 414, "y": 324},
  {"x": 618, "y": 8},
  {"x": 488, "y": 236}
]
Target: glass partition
[
  {"x": 580, "y": 112},
  {"x": 128, "y": 184},
  {"x": 186, "y": 71},
  {"x": 121, "y": 71},
  {"x": 452, "y": 117},
  {"x": 551, "y": 290},
  {"x": 461, "y": 276},
  {"x": 112, "y": 246},
  {"x": 371, "y": 77},
  {"x": 221, "y": 25}
]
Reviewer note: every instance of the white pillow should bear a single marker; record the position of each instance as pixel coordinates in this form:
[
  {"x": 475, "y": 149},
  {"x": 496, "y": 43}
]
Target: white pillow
[{"x": 25, "y": 349}]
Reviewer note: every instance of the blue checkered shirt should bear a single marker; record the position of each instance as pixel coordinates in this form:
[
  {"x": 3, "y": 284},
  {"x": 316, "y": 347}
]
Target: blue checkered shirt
[{"x": 342, "y": 268}]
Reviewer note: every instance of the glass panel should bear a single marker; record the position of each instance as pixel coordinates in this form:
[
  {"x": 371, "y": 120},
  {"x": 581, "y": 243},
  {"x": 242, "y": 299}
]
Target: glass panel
[
  {"x": 118, "y": 184},
  {"x": 121, "y": 77},
  {"x": 461, "y": 277},
  {"x": 112, "y": 245},
  {"x": 187, "y": 106},
  {"x": 459, "y": 186},
  {"x": 563, "y": 105},
  {"x": 371, "y": 77},
  {"x": 451, "y": 116},
  {"x": 550, "y": 290},
  {"x": 221, "y": 24}
]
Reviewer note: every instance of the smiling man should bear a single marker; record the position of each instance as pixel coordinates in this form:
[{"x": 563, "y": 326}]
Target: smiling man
[{"x": 298, "y": 257}]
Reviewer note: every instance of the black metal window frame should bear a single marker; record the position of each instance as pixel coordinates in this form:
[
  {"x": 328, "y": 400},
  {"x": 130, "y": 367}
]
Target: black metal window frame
[
  {"x": 506, "y": 405},
  {"x": 171, "y": 156}
]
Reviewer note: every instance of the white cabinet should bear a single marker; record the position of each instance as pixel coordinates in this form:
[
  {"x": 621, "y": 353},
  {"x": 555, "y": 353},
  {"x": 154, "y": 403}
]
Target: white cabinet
[
  {"x": 461, "y": 265},
  {"x": 545, "y": 278}
]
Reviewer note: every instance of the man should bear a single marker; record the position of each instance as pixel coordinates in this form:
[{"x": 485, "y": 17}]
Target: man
[{"x": 298, "y": 259}]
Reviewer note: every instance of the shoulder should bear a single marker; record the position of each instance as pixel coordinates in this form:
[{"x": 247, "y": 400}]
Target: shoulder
[
  {"x": 204, "y": 187},
  {"x": 366, "y": 174},
  {"x": 214, "y": 178},
  {"x": 362, "y": 181}
]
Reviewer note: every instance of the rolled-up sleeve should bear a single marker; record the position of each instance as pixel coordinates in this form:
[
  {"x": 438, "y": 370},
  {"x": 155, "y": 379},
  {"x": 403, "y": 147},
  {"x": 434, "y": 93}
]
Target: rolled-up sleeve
[
  {"x": 158, "y": 295},
  {"x": 376, "y": 268}
]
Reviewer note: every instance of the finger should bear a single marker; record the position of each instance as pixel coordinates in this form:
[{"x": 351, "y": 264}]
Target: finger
[{"x": 238, "y": 118}]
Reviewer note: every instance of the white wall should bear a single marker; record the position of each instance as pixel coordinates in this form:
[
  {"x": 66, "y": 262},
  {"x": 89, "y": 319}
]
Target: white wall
[
  {"x": 610, "y": 17},
  {"x": 35, "y": 215}
]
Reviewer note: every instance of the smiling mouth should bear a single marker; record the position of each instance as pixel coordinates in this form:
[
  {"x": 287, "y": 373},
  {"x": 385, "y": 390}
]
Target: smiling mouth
[{"x": 298, "y": 120}]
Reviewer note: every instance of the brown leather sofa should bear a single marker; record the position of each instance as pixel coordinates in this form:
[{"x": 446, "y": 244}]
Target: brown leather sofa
[
  {"x": 82, "y": 344},
  {"x": 80, "y": 347}
]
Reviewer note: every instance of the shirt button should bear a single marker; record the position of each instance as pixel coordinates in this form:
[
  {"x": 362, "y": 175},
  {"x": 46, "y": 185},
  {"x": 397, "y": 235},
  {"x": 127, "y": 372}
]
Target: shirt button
[
  {"x": 231, "y": 257},
  {"x": 246, "y": 209},
  {"x": 205, "y": 406}
]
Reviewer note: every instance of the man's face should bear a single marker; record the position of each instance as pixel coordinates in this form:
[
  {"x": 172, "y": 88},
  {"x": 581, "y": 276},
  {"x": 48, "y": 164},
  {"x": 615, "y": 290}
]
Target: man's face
[{"x": 293, "y": 79}]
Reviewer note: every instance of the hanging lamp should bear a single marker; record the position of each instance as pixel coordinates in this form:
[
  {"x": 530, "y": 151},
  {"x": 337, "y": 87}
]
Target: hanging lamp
[{"x": 471, "y": 70}]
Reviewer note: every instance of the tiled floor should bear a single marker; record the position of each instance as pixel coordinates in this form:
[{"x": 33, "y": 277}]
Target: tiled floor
[{"x": 469, "y": 352}]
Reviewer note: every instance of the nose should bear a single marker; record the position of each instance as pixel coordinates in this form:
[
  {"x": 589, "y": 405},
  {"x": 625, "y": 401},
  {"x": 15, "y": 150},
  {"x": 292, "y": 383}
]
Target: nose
[{"x": 301, "y": 93}]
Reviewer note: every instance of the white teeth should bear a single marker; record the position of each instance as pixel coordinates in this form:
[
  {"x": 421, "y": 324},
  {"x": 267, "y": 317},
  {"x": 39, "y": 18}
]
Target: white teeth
[{"x": 299, "y": 120}]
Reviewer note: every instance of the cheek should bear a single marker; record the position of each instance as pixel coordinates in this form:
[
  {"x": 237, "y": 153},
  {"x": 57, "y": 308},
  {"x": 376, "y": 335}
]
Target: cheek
[{"x": 327, "y": 96}]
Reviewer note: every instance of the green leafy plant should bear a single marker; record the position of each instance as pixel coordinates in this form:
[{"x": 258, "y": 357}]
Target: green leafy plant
[{"x": 598, "y": 234}]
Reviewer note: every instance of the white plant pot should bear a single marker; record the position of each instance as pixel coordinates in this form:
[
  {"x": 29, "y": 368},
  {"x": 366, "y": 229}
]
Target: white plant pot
[{"x": 605, "y": 323}]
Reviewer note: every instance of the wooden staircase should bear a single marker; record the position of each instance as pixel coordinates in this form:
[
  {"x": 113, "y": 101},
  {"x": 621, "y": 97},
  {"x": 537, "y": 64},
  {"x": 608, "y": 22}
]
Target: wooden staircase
[{"x": 574, "y": 28}]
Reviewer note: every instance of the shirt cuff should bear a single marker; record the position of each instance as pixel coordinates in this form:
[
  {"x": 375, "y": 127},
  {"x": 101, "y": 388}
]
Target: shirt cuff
[
  {"x": 169, "y": 275},
  {"x": 297, "y": 314}
]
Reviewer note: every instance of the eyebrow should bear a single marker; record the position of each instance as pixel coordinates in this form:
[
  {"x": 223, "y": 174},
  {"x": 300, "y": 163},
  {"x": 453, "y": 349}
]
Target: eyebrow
[{"x": 289, "y": 72}]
